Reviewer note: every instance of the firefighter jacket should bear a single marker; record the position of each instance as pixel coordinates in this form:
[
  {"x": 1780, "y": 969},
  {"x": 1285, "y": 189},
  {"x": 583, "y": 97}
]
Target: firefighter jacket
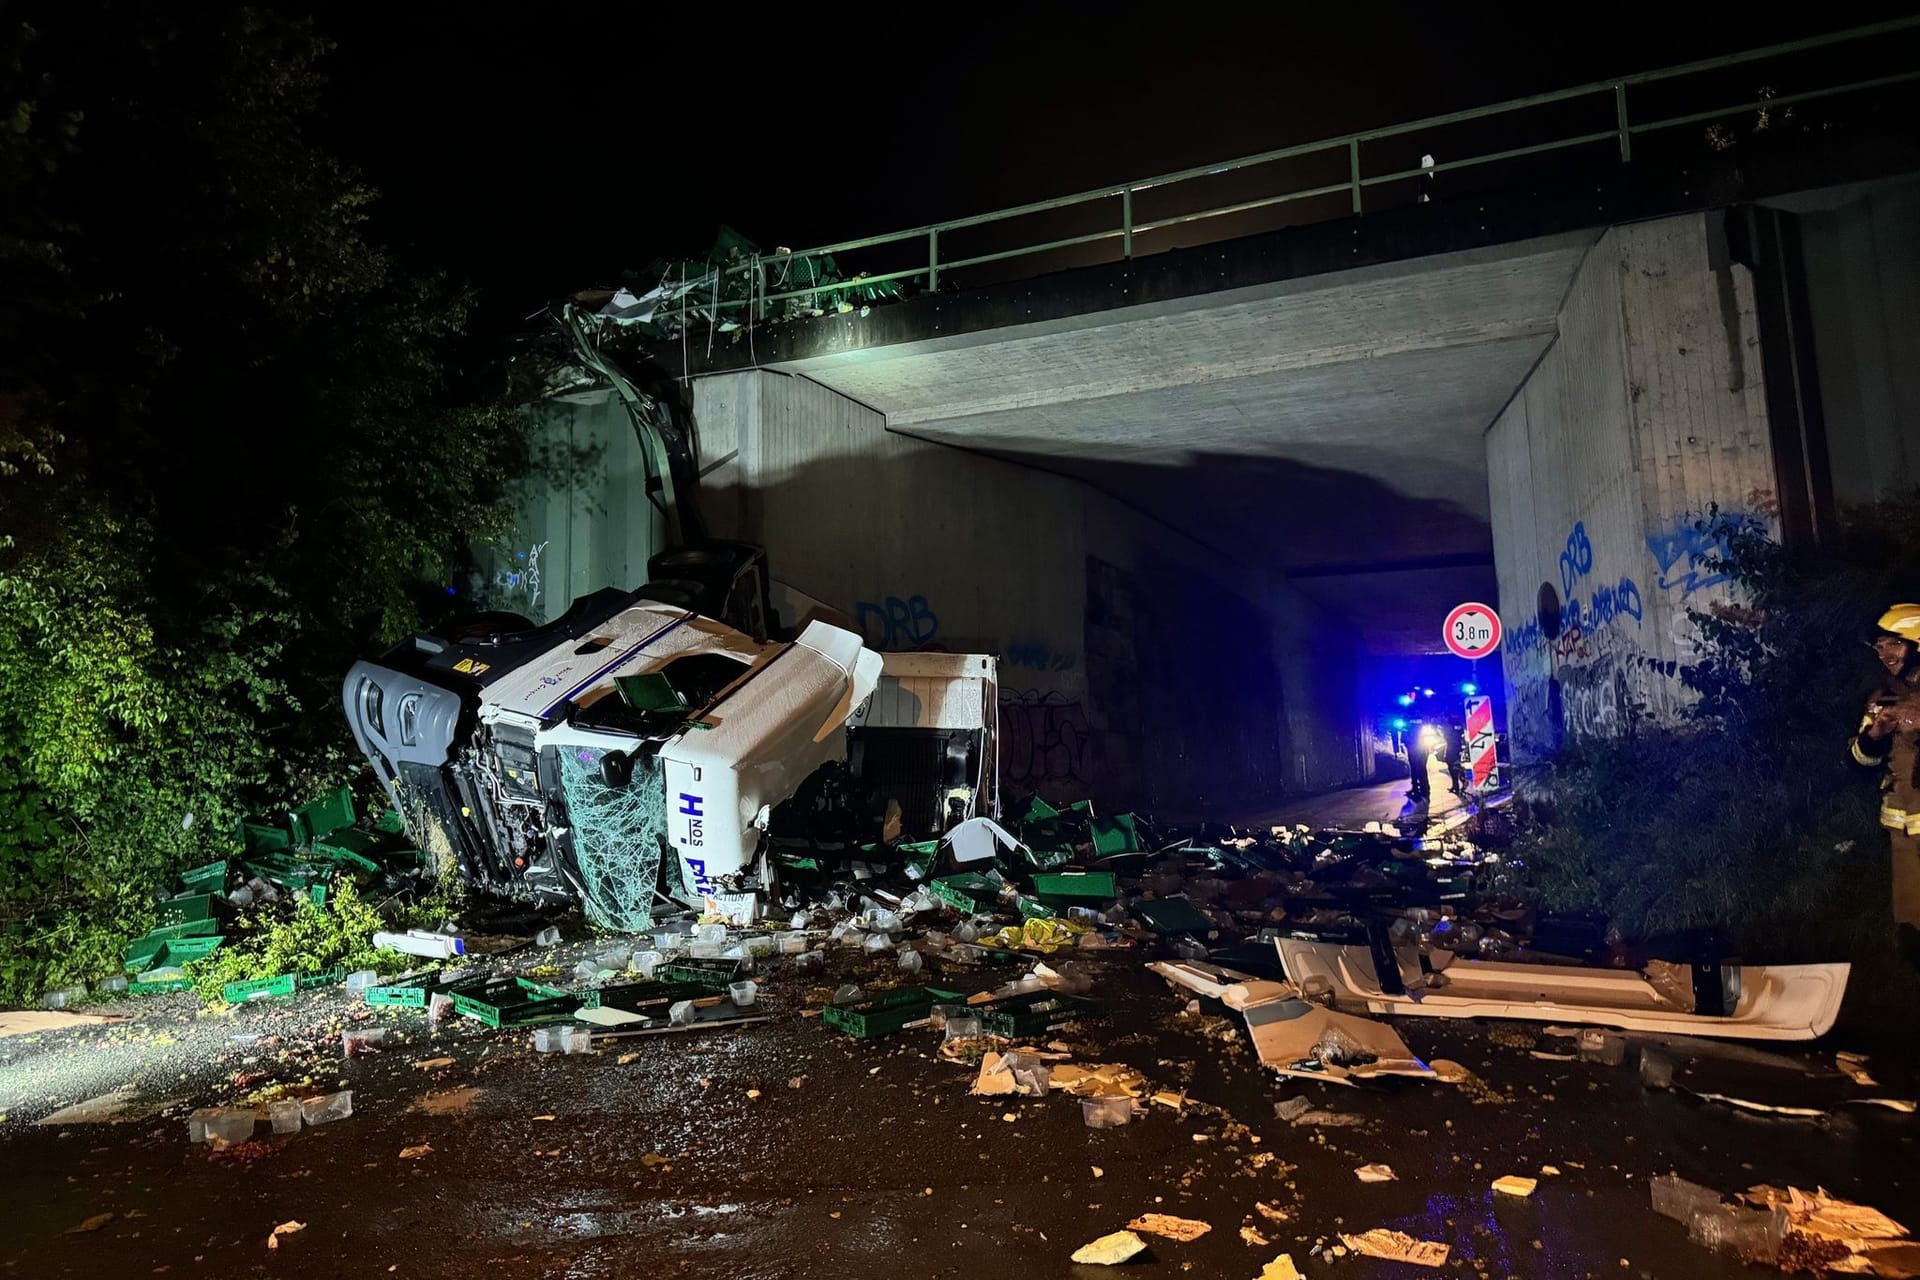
[{"x": 1899, "y": 752}]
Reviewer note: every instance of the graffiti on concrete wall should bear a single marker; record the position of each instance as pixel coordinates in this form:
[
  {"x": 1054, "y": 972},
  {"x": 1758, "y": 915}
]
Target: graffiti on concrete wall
[
  {"x": 1044, "y": 740},
  {"x": 518, "y": 580},
  {"x": 897, "y": 623},
  {"x": 1692, "y": 552},
  {"x": 1037, "y": 655}
]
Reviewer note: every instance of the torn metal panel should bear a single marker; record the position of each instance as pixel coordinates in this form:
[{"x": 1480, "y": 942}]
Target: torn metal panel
[
  {"x": 1238, "y": 991},
  {"x": 1773, "y": 1002}
]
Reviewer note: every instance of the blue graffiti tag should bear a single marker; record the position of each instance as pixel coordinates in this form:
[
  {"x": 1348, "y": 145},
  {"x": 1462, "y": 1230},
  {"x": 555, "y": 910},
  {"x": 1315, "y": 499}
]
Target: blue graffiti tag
[
  {"x": 1576, "y": 561},
  {"x": 897, "y": 624},
  {"x": 1687, "y": 552}
]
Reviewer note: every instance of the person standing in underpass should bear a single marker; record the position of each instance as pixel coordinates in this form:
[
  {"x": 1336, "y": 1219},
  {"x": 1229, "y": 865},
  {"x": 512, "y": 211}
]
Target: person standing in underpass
[{"x": 1889, "y": 736}]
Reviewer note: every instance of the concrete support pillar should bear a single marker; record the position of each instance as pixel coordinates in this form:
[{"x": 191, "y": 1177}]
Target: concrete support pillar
[{"x": 1646, "y": 412}]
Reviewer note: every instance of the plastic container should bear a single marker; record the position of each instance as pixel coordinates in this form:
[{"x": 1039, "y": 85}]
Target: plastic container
[
  {"x": 743, "y": 993},
  {"x": 1106, "y": 1113},
  {"x": 357, "y": 1040},
  {"x": 644, "y": 962},
  {"x": 115, "y": 983},
  {"x": 361, "y": 979},
  {"x": 64, "y": 997},
  {"x": 284, "y": 1115},
  {"x": 549, "y": 1040},
  {"x": 228, "y": 1125},
  {"x": 197, "y": 1123},
  {"x": 681, "y": 1014},
  {"x": 547, "y": 937},
  {"x": 791, "y": 943},
  {"x": 910, "y": 961},
  {"x": 962, "y": 1027},
  {"x": 576, "y": 1040},
  {"x": 327, "y": 1108}
]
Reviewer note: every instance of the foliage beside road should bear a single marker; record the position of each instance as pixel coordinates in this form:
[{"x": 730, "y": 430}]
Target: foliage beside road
[{"x": 236, "y": 451}]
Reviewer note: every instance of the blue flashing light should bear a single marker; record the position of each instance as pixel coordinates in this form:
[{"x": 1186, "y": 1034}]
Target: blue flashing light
[
  {"x": 1470, "y": 688},
  {"x": 1406, "y": 699},
  {"x": 1399, "y": 723},
  {"x": 453, "y": 591},
  {"x": 1428, "y": 692}
]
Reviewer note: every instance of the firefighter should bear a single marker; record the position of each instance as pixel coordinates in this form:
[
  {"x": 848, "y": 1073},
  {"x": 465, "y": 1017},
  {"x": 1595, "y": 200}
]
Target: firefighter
[{"x": 1889, "y": 735}]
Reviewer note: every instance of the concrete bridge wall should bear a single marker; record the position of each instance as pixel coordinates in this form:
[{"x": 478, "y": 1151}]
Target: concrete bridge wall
[{"x": 1648, "y": 409}]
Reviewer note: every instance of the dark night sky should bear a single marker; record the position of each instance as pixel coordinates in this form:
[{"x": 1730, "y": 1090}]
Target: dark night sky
[{"x": 536, "y": 150}]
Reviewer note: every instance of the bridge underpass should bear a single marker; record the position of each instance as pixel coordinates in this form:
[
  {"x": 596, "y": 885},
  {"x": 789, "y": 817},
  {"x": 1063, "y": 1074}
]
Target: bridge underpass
[{"x": 1186, "y": 495}]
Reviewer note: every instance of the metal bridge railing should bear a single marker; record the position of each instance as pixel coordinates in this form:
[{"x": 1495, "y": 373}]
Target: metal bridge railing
[{"x": 707, "y": 295}]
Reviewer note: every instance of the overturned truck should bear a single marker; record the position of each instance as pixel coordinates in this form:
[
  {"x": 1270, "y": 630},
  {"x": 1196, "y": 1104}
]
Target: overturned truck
[
  {"x": 659, "y": 743},
  {"x": 632, "y": 746}
]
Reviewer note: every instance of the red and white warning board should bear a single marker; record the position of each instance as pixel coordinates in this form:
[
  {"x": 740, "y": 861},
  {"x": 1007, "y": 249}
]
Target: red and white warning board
[{"x": 1483, "y": 760}]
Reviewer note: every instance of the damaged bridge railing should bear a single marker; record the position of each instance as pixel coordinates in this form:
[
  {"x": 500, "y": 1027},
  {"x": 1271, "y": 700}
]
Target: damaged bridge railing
[{"x": 1604, "y": 114}]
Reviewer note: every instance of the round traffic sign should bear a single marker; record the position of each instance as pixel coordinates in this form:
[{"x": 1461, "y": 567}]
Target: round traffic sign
[{"x": 1472, "y": 630}]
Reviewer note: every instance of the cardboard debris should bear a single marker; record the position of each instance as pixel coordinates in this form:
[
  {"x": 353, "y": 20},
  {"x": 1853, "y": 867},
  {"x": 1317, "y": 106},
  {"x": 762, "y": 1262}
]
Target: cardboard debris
[
  {"x": 26, "y": 1022},
  {"x": 1099, "y": 1080},
  {"x": 1110, "y": 1250},
  {"x": 1888, "y": 1261},
  {"x": 608, "y": 1016},
  {"x": 1397, "y": 1246},
  {"x": 1184, "y": 1230},
  {"x": 414, "y": 1153},
  {"x": 1854, "y": 1067},
  {"x": 1286, "y": 1033},
  {"x": 1512, "y": 1185},
  {"x": 284, "y": 1229},
  {"x": 1374, "y": 1173},
  {"x": 1254, "y": 1238},
  {"x": 1815, "y": 1213},
  {"x": 1281, "y": 1268}
]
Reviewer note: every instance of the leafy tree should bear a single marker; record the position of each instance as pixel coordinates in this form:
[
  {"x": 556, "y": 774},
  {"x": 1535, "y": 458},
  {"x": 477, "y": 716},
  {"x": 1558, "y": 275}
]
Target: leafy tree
[{"x": 236, "y": 450}]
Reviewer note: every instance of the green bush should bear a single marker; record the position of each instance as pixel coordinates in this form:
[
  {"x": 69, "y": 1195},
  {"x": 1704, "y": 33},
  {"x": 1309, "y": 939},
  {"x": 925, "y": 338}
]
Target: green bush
[
  {"x": 1747, "y": 816},
  {"x": 301, "y": 938}
]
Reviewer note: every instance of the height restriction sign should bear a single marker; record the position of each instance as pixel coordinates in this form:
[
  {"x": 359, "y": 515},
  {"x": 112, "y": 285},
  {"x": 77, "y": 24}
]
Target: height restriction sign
[{"x": 1472, "y": 630}]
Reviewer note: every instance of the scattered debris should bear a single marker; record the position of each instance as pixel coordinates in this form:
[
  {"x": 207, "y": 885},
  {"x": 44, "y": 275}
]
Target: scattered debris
[
  {"x": 1110, "y": 1250},
  {"x": 1281, "y": 1268},
  {"x": 1253, "y": 1238},
  {"x": 414, "y": 1153},
  {"x": 1514, "y": 1185},
  {"x": 1397, "y": 1246},
  {"x": 1160, "y": 1224},
  {"x": 94, "y": 1223},
  {"x": 1374, "y": 1173},
  {"x": 284, "y": 1229}
]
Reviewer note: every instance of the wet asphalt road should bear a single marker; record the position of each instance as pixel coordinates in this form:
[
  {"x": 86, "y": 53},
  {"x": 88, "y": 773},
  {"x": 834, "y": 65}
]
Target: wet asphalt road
[{"x": 653, "y": 1157}]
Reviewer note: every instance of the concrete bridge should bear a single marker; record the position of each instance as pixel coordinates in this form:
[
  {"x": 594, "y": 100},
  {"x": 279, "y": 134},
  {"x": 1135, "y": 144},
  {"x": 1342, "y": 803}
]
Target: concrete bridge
[{"x": 1189, "y": 494}]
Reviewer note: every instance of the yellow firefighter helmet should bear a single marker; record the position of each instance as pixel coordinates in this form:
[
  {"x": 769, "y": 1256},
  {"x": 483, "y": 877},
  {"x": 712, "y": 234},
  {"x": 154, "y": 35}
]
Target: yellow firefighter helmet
[{"x": 1902, "y": 620}]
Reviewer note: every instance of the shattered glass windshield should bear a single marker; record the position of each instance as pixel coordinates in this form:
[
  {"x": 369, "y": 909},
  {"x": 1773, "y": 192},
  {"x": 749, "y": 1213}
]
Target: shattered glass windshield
[{"x": 617, "y": 837}]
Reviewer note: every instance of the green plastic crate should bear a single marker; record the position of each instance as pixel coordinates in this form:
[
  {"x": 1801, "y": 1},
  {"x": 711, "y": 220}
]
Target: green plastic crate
[
  {"x": 1034, "y": 909},
  {"x": 390, "y": 823},
  {"x": 260, "y": 838},
  {"x": 161, "y": 980},
  {"x": 193, "y": 906},
  {"x": 181, "y": 950},
  {"x": 969, "y": 892},
  {"x": 344, "y": 854},
  {"x": 408, "y": 993},
  {"x": 644, "y": 997},
  {"x": 714, "y": 975},
  {"x": 325, "y": 978},
  {"x": 211, "y": 878},
  {"x": 1032, "y": 1014},
  {"x": 237, "y": 992},
  {"x": 512, "y": 1002},
  {"x": 1101, "y": 885},
  {"x": 887, "y": 1013},
  {"x": 185, "y": 929},
  {"x": 143, "y": 954},
  {"x": 322, "y": 817},
  {"x": 1115, "y": 835},
  {"x": 1173, "y": 915}
]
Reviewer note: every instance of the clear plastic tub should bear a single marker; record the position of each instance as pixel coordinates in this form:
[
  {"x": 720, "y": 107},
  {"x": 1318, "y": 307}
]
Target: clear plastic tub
[
  {"x": 743, "y": 993},
  {"x": 1106, "y": 1113}
]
